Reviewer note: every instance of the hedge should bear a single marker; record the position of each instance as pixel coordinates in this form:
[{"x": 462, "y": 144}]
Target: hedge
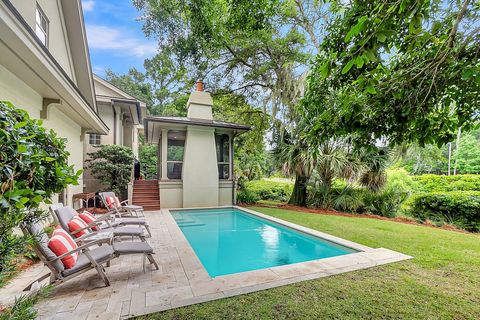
[
  {"x": 461, "y": 208},
  {"x": 436, "y": 183},
  {"x": 265, "y": 190}
]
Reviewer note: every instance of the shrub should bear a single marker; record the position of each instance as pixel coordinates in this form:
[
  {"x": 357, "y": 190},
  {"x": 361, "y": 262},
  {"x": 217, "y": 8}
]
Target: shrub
[
  {"x": 34, "y": 166},
  {"x": 385, "y": 203},
  {"x": 247, "y": 196},
  {"x": 399, "y": 179},
  {"x": 461, "y": 208},
  {"x": 270, "y": 189},
  {"x": 148, "y": 158},
  {"x": 437, "y": 183},
  {"x": 112, "y": 165}
]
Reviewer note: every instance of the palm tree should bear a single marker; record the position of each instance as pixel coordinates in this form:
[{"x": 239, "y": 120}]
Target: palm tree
[{"x": 296, "y": 159}]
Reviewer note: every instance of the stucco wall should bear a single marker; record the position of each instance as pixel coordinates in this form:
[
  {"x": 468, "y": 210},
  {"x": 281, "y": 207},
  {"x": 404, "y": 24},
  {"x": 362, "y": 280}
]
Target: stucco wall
[
  {"x": 171, "y": 194},
  {"x": 225, "y": 193},
  {"x": 200, "y": 171},
  {"x": 57, "y": 36},
  {"x": 22, "y": 96}
]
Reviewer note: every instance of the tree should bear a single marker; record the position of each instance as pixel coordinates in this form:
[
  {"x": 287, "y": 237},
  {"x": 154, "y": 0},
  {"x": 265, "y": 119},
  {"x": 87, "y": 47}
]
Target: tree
[
  {"x": 134, "y": 83},
  {"x": 34, "y": 166},
  {"x": 148, "y": 158},
  {"x": 112, "y": 165},
  {"x": 406, "y": 71}
]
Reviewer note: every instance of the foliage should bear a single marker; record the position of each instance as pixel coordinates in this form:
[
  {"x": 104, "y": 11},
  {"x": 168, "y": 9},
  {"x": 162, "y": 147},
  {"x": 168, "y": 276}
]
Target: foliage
[
  {"x": 147, "y": 154},
  {"x": 461, "y": 208},
  {"x": 269, "y": 189},
  {"x": 250, "y": 156},
  {"x": 112, "y": 165},
  {"x": 433, "y": 183},
  {"x": 468, "y": 154},
  {"x": 23, "y": 308},
  {"x": 406, "y": 71},
  {"x": 247, "y": 196},
  {"x": 385, "y": 203},
  {"x": 412, "y": 289},
  {"x": 400, "y": 180},
  {"x": 34, "y": 166}
]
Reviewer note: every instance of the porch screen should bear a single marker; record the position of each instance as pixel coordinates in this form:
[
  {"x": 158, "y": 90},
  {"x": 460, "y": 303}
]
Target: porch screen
[
  {"x": 222, "y": 142},
  {"x": 175, "y": 151}
]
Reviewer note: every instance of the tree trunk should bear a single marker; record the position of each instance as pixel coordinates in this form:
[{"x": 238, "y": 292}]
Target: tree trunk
[
  {"x": 457, "y": 146},
  {"x": 299, "y": 194}
]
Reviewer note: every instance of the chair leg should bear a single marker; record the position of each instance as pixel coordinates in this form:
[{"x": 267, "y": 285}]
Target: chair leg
[
  {"x": 152, "y": 260},
  {"x": 101, "y": 273},
  {"x": 144, "y": 262},
  {"x": 147, "y": 227}
]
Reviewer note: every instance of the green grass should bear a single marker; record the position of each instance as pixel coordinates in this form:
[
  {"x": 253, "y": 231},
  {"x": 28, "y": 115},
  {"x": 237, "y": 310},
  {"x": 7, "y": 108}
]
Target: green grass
[{"x": 441, "y": 282}]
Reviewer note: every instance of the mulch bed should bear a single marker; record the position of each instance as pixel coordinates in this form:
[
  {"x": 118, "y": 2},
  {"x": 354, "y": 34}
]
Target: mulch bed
[{"x": 353, "y": 215}]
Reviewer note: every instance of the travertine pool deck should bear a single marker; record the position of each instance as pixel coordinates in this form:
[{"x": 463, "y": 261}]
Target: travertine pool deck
[{"x": 181, "y": 280}]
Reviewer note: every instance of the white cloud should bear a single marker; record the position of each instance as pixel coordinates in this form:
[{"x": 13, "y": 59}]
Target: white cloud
[
  {"x": 88, "y": 5},
  {"x": 108, "y": 38}
]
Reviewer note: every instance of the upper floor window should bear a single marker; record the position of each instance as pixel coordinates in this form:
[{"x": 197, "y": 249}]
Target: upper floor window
[
  {"x": 175, "y": 152},
  {"x": 41, "y": 26},
  {"x": 94, "y": 139},
  {"x": 222, "y": 143}
]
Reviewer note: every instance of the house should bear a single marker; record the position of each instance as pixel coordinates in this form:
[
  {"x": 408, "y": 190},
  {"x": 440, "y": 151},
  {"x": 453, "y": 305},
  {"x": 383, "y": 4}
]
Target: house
[
  {"x": 123, "y": 114},
  {"x": 195, "y": 156},
  {"x": 45, "y": 70}
]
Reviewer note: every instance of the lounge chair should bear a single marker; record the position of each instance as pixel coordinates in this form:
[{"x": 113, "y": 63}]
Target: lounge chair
[
  {"x": 113, "y": 221},
  {"x": 91, "y": 256},
  {"x": 121, "y": 208},
  {"x": 67, "y": 214}
]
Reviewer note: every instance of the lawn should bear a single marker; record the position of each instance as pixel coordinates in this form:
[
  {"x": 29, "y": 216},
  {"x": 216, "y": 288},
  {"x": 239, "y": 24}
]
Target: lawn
[{"x": 441, "y": 282}]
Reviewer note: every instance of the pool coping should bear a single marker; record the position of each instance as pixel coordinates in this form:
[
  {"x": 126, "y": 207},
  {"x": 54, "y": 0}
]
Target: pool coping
[{"x": 206, "y": 288}]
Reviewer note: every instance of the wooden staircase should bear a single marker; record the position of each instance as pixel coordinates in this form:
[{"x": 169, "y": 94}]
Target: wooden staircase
[{"x": 146, "y": 194}]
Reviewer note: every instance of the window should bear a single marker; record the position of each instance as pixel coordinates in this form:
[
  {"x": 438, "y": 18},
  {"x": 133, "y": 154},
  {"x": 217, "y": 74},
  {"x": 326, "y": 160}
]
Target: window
[
  {"x": 175, "y": 151},
  {"x": 94, "y": 139},
  {"x": 41, "y": 26},
  {"x": 222, "y": 142}
]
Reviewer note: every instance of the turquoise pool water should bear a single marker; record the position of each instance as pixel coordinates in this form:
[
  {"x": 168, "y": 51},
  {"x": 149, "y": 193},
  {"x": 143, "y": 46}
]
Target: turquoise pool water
[{"x": 229, "y": 240}]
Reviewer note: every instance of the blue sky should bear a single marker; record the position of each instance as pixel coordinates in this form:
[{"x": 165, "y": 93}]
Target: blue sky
[{"x": 115, "y": 36}]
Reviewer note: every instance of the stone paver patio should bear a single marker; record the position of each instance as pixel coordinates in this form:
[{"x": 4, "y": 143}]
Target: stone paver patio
[{"x": 181, "y": 280}]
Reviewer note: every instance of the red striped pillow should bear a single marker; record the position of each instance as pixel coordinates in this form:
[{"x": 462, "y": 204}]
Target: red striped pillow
[
  {"x": 77, "y": 223},
  {"x": 110, "y": 202},
  {"x": 88, "y": 218},
  {"x": 61, "y": 242}
]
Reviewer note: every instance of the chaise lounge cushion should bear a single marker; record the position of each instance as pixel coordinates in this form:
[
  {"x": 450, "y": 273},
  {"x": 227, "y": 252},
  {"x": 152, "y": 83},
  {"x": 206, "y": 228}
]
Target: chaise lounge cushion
[
  {"x": 125, "y": 231},
  {"x": 132, "y": 247},
  {"x": 36, "y": 230},
  {"x": 100, "y": 255}
]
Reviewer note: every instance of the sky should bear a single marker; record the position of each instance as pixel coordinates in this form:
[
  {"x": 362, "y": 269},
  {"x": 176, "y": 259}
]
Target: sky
[{"x": 115, "y": 37}]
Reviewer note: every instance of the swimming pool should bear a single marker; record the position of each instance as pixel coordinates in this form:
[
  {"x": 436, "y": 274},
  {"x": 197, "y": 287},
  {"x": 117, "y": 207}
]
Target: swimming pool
[{"x": 230, "y": 240}]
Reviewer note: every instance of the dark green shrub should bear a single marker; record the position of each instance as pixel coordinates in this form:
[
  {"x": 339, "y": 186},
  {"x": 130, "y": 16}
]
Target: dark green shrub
[
  {"x": 148, "y": 158},
  {"x": 437, "y": 183},
  {"x": 246, "y": 196},
  {"x": 461, "y": 208},
  {"x": 270, "y": 190},
  {"x": 112, "y": 165},
  {"x": 385, "y": 203},
  {"x": 34, "y": 166}
]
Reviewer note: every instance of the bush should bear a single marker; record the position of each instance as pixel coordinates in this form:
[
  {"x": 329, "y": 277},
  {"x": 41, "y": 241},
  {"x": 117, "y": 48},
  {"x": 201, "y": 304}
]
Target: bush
[
  {"x": 34, "y": 164},
  {"x": 270, "y": 189},
  {"x": 385, "y": 203},
  {"x": 246, "y": 196},
  {"x": 399, "y": 179},
  {"x": 112, "y": 165},
  {"x": 148, "y": 158},
  {"x": 437, "y": 183},
  {"x": 461, "y": 209}
]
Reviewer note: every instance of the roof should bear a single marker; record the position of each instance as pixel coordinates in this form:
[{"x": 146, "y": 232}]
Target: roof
[
  {"x": 198, "y": 122},
  {"x": 188, "y": 121}
]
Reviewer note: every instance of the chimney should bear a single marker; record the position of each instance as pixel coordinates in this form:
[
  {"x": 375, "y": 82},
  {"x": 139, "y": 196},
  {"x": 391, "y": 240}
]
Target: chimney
[
  {"x": 200, "y": 85},
  {"x": 200, "y": 104}
]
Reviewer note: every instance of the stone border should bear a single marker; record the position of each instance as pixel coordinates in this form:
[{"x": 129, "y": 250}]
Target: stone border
[{"x": 206, "y": 288}]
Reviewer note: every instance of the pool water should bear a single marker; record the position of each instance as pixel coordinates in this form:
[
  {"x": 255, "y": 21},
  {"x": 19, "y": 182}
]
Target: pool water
[{"x": 230, "y": 240}]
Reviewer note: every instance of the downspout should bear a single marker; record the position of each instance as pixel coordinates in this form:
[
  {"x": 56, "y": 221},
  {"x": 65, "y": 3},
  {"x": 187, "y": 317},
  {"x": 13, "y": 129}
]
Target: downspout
[
  {"x": 232, "y": 153},
  {"x": 114, "y": 124}
]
